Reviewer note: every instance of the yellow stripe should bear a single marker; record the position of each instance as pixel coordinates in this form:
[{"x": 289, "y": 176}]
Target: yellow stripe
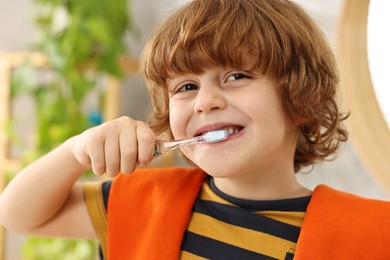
[
  {"x": 241, "y": 237},
  {"x": 292, "y": 218},
  {"x": 209, "y": 195},
  {"x": 188, "y": 256},
  {"x": 95, "y": 205}
]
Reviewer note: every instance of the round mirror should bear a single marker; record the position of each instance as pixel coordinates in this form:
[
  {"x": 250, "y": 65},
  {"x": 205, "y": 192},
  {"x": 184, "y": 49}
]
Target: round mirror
[{"x": 369, "y": 131}]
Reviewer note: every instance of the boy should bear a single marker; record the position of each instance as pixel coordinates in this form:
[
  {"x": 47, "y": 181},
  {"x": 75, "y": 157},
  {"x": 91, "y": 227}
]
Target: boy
[{"x": 262, "y": 71}]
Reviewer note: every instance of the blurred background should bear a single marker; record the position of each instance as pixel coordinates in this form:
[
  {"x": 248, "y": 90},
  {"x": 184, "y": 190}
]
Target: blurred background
[{"x": 65, "y": 67}]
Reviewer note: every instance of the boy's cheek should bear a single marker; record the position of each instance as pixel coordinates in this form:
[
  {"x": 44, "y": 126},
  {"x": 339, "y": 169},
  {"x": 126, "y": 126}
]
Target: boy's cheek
[{"x": 178, "y": 123}]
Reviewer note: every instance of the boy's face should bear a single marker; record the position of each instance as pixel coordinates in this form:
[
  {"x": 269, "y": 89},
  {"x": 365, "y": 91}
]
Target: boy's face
[{"x": 249, "y": 105}]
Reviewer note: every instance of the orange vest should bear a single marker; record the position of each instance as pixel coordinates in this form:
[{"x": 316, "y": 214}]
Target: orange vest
[{"x": 148, "y": 212}]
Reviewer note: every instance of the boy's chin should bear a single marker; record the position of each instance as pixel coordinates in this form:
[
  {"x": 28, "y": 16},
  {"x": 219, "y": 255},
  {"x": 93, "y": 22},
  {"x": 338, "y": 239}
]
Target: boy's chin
[{"x": 220, "y": 170}]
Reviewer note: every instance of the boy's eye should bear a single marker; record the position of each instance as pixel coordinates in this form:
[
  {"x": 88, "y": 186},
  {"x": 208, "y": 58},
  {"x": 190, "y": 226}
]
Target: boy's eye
[
  {"x": 186, "y": 87},
  {"x": 237, "y": 76}
]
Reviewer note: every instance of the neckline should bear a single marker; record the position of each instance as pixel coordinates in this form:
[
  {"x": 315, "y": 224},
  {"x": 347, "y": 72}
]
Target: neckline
[{"x": 290, "y": 204}]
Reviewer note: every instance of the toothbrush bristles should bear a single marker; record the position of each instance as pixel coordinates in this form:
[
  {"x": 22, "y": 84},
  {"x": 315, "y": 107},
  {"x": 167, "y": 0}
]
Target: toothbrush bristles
[{"x": 215, "y": 136}]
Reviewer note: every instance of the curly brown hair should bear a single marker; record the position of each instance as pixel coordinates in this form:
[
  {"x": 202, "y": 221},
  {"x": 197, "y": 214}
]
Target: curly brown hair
[{"x": 288, "y": 46}]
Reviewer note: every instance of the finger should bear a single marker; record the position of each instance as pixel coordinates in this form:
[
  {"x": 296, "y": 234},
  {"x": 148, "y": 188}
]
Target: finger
[
  {"x": 97, "y": 157},
  {"x": 112, "y": 155},
  {"x": 128, "y": 149},
  {"x": 146, "y": 142}
]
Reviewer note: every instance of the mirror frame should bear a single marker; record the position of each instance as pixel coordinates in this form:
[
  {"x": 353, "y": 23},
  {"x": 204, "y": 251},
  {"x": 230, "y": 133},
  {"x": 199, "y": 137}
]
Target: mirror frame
[{"x": 369, "y": 132}]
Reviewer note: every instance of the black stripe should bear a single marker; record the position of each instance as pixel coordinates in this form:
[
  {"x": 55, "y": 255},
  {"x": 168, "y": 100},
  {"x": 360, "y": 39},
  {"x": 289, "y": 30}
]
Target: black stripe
[
  {"x": 247, "y": 219},
  {"x": 106, "y": 187},
  {"x": 213, "y": 249}
]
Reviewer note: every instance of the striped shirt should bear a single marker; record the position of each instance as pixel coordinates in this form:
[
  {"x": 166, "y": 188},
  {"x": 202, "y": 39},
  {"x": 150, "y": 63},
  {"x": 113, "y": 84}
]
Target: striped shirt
[{"x": 224, "y": 227}]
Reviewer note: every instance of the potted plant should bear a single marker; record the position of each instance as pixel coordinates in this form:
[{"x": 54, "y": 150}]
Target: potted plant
[{"x": 82, "y": 42}]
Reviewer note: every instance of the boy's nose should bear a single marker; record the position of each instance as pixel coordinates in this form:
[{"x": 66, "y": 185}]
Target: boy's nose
[{"x": 209, "y": 99}]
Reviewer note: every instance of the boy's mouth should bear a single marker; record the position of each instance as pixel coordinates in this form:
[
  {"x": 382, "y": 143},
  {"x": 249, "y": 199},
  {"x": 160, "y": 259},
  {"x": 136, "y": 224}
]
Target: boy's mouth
[{"x": 231, "y": 130}]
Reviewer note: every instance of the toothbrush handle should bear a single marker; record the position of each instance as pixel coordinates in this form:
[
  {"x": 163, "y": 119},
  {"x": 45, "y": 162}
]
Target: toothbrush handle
[{"x": 162, "y": 146}]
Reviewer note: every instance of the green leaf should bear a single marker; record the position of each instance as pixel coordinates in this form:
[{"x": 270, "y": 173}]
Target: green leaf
[{"x": 23, "y": 80}]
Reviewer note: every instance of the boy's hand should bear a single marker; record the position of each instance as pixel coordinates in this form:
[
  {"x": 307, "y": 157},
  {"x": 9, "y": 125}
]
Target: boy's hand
[{"x": 115, "y": 146}]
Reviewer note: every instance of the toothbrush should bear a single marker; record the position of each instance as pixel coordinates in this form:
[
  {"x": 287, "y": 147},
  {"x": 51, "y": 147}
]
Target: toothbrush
[{"x": 211, "y": 137}]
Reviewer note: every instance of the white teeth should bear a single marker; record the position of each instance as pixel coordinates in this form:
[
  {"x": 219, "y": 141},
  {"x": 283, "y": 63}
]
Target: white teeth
[{"x": 232, "y": 130}]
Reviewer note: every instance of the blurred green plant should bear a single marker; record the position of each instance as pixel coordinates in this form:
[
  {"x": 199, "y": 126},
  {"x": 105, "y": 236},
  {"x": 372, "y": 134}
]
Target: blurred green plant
[
  {"x": 83, "y": 41},
  {"x": 51, "y": 248}
]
